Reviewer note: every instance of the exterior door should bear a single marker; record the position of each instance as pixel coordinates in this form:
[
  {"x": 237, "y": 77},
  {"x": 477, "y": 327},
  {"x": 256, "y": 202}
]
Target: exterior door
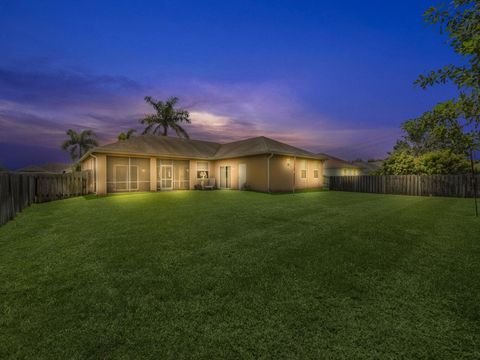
[
  {"x": 225, "y": 177},
  {"x": 242, "y": 176},
  {"x": 166, "y": 177}
]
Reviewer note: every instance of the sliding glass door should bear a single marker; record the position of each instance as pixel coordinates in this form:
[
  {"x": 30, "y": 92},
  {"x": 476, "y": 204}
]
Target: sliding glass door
[{"x": 225, "y": 177}]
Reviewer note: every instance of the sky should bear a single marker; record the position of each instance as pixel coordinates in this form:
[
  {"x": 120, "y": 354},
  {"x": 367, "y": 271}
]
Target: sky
[{"x": 326, "y": 76}]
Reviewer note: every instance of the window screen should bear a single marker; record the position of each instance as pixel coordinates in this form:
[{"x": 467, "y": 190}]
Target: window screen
[
  {"x": 181, "y": 175},
  {"x": 127, "y": 174},
  {"x": 173, "y": 174}
]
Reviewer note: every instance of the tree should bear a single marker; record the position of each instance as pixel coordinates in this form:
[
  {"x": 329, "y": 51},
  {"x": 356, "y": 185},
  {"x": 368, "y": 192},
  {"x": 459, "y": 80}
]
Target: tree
[
  {"x": 166, "y": 117},
  {"x": 125, "y": 136},
  {"x": 451, "y": 128},
  {"x": 78, "y": 144},
  {"x": 442, "y": 162},
  {"x": 453, "y": 125},
  {"x": 400, "y": 162},
  {"x": 456, "y": 122}
]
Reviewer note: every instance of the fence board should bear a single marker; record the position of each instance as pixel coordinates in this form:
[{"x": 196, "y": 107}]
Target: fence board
[
  {"x": 416, "y": 185},
  {"x": 18, "y": 191}
]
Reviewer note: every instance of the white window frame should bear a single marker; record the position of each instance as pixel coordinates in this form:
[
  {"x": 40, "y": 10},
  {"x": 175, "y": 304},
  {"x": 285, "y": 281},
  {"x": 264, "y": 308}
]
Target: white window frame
[
  {"x": 197, "y": 170},
  {"x": 303, "y": 169},
  {"x": 164, "y": 166},
  {"x": 228, "y": 179}
]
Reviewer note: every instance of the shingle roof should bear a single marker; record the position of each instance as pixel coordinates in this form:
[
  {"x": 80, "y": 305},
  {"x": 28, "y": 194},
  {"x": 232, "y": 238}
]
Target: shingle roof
[
  {"x": 259, "y": 145},
  {"x": 185, "y": 148},
  {"x": 165, "y": 145},
  {"x": 368, "y": 166},
  {"x": 55, "y": 168},
  {"x": 333, "y": 162}
]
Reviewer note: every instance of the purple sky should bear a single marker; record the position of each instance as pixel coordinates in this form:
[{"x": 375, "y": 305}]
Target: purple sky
[{"x": 330, "y": 77}]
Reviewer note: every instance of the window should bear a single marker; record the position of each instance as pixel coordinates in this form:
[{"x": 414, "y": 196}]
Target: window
[
  {"x": 303, "y": 169},
  {"x": 315, "y": 173},
  {"x": 202, "y": 169}
]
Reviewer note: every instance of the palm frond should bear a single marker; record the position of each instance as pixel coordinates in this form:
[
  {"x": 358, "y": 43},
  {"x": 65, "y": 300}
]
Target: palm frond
[
  {"x": 148, "y": 128},
  {"x": 74, "y": 152},
  {"x": 180, "y": 131},
  {"x": 166, "y": 117},
  {"x": 130, "y": 132},
  {"x": 67, "y": 143}
]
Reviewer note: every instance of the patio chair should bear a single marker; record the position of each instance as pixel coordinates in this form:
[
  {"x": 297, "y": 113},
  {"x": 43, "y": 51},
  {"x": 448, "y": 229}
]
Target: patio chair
[{"x": 210, "y": 185}]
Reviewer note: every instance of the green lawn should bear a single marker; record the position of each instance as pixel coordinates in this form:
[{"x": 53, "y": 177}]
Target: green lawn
[{"x": 230, "y": 275}]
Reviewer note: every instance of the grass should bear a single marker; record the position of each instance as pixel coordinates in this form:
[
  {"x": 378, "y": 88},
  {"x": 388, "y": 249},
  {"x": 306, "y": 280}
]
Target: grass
[{"x": 222, "y": 274}]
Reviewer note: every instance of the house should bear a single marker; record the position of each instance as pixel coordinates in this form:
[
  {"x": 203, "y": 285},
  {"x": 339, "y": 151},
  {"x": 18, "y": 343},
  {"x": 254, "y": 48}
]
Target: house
[
  {"x": 158, "y": 163},
  {"x": 51, "y": 168},
  {"x": 337, "y": 167},
  {"x": 368, "y": 167}
]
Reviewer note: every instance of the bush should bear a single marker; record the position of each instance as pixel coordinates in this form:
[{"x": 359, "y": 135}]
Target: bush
[
  {"x": 246, "y": 187},
  {"x": 402, "y": 162},
  {"x": 398, "y": 163},
  {"x": 442, "y": 162}
]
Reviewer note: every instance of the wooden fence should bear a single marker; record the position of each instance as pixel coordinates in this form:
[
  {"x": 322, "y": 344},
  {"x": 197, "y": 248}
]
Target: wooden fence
[
  {"x": 416, "y": 185},
  {"x": 19, "y": 190}
]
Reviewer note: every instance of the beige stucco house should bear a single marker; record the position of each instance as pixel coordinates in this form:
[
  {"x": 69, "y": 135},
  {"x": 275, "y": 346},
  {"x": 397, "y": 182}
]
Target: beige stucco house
[
  {"x": 334, "y": 166},
  {"x": 158, "y": 163}
]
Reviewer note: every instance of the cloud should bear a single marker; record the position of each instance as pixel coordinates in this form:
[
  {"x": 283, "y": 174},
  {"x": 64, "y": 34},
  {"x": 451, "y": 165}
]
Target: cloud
[
  {"x": 37, "y": 107},
  {"x": 59, "y": 87}
]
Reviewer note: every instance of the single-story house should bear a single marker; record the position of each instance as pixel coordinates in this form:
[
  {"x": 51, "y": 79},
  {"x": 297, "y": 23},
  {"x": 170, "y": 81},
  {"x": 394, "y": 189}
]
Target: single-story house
[
  {"x": 157, "y": 163},
  {"x": 368, "y": 167},
  {"x": 337, "y": 167},
  {"x": 51, "y": 168}
]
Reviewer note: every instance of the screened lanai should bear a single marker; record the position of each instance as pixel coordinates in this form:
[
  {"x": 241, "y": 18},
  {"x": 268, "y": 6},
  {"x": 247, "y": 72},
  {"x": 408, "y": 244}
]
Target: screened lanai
[
  {"x": 173, "y": 174},
  {"x": 127, "y": 174}
]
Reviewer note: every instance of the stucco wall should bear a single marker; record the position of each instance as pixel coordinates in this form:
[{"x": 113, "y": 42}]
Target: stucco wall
[
  {"x": 89, "y": 164},
  {"x": 193, "y": 172},
  {"x": 310, "y": 182},
  {"x": 101, "y": 178},
  {"x": 285, "y": 173},
  {"x": 256, "y": 171}
]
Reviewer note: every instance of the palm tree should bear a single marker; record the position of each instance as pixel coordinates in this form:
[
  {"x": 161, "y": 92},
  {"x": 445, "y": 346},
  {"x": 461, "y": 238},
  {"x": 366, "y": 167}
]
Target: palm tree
[
  {"x": 165, "y": 117},
  {"x": 124, "y": 136},
  {"x": 79, "y": 144}
]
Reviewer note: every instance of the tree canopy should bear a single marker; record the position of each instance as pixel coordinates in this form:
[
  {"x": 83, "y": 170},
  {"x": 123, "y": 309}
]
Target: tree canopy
[
  {"x": 126, "y": 135},
  {"x": 166, "y": 117},
  {"x": 451, "y": 130},
  {"x": 79, "y": 143}
]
